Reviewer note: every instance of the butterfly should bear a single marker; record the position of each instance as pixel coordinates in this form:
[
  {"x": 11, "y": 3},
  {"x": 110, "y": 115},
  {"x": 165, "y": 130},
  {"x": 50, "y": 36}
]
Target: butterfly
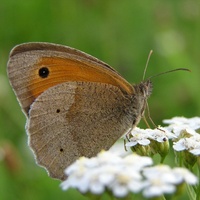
[{"x": 75, "y": 104}]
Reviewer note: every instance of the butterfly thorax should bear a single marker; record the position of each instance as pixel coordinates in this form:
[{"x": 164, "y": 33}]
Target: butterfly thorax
[{"x": 139, "y": 100}]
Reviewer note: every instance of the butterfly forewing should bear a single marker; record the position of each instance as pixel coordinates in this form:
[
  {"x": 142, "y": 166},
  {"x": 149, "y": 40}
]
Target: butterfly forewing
[{"x": 63, "y": 64}]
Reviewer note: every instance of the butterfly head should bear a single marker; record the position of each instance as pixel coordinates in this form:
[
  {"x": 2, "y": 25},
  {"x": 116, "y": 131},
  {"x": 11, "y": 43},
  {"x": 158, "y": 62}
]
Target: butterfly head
[{"x": 145, "y": 88}]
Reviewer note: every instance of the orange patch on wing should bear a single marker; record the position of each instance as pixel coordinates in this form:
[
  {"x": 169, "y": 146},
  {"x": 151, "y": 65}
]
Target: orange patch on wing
[{"x": 64, "y": 70}]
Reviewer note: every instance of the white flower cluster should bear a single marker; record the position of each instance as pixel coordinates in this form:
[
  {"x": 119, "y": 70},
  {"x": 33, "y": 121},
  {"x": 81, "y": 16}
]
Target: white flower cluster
[
  {"x": 177, "y": 123},
  {"x": 120, "y": 176},
  {"x": 182, "y": 131},
  {"x": 186, "y": 132},
  {"x": 162, "y": 179},
  {"x": 148, "y": 142},
  {"x": 144, "y": 136}
]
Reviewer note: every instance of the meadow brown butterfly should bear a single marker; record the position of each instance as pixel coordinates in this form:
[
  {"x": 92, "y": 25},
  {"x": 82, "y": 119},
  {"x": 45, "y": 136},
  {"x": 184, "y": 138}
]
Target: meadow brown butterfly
[{"x": 75, "y": 104}]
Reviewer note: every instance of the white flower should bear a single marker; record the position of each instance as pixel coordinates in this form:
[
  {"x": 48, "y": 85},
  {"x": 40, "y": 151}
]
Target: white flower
[
  {"x": 144, "y": 136},
  {"x": 138, "y": 136},
  {"x": 121, "y": 176},
  {"x": 192, "y": 122},
  {"x": 192, "y": 144},
  {"x": 126, "y": 181},
  {"x": 107, "y": 171},
  {"x": 160, "y": 135},
  {"x": 185, "y": 175},
  {"x": 158, "y": 187},
  {"x": 159, "y": 181},
  {"x": 161, "y": 172},
  {"x": 162, "y": 179},
  {"x": 137, "y": 162},
  {"x": 180, "y": 123},
  {"x": 180, "y": 145},
  {"x": 105, "y": 157}
]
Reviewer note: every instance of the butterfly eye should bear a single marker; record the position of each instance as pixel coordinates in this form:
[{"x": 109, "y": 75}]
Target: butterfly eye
[{"x": 43, "y": 72}]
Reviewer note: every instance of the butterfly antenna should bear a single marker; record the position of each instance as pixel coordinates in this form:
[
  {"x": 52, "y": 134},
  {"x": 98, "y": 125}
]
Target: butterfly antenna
[
  {"x": 173, "y": 70},
  {"x": 145, "y": 69},
  {"x": 147, "y": 107}
]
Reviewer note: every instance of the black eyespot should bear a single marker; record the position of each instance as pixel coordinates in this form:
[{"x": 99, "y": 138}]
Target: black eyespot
[
  {"x": 61, "y": 149},
  {"x": 43, "y": 72},
  {"x": 58, "y": 110}
]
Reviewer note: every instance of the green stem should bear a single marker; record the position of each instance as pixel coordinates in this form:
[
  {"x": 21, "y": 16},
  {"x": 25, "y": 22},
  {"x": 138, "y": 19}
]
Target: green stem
[
  {"x": 190, "y": 192},
  {"x": 198, "y": 187}
]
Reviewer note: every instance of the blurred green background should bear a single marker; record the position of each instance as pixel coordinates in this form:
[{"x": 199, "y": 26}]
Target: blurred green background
[{"x": 118, "y": 32}]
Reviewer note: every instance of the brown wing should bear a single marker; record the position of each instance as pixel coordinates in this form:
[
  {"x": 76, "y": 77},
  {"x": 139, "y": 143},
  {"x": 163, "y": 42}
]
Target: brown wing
[
  {"x": 35, "y": 67},
  {"x": 75, "y": 119}
]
